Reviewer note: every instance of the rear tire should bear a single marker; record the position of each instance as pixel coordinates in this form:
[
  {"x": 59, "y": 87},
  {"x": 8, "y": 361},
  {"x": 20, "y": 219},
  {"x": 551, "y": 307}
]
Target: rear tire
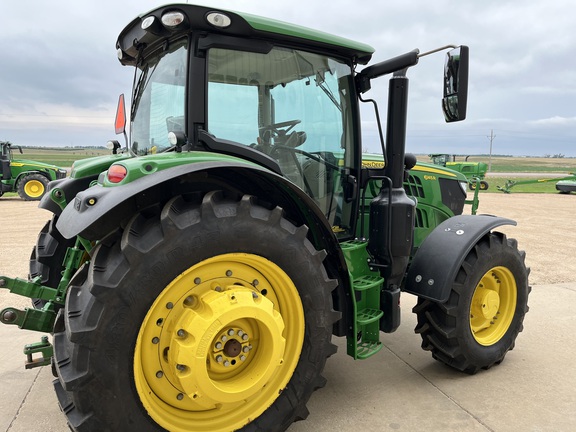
[
  {"x": 32, "y": 187},
  {"x": 479, "y": 323},
  {"x": 211, "y": 315}
]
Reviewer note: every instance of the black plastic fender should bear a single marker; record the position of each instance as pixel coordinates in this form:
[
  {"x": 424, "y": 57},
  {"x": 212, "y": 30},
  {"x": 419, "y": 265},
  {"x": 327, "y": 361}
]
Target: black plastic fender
[{"x": 440, "y": 256}]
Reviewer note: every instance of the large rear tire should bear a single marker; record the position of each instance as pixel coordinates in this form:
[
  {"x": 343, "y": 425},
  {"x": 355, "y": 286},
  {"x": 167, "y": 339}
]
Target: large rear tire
[
  {"x": 32, "y": 187},
  {"x": 211, "y": 315},
  {"x": 479, "y": 323}
]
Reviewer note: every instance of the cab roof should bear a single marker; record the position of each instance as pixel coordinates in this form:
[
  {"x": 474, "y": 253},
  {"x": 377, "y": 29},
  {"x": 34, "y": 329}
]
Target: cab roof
[{"x": 241, "y": 24}]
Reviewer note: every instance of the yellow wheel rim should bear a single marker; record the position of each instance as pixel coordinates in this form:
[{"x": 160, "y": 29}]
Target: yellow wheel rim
[
  {"x": 34, "y": 188},
  {"x": 493, "y": 306},
  {"x": 219, "y": 344}
]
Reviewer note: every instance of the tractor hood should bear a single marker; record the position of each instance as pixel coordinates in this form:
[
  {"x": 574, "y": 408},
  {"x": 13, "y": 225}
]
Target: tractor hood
[{"x": 34, "y": 165}]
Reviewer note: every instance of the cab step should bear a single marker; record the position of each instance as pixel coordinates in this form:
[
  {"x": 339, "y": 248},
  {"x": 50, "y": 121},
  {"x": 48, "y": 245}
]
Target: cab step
[{"x": 364, "y": 340}]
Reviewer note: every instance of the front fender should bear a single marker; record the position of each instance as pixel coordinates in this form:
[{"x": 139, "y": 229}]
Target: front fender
[{"x": 437, "y": 261}]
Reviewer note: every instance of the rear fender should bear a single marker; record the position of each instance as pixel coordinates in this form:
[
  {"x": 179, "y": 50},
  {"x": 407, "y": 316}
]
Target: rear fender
[{"x": 437, "y": 261}]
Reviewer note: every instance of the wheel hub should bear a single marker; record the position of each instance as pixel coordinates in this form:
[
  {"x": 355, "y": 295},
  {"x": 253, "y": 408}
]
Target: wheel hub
[
  {"x": 488, "y": 303},
  {"x": 493, "y": 304}
]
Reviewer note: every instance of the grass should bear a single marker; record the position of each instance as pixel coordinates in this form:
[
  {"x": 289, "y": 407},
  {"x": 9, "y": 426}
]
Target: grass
[
  {"x": 64, "y": 157},
  {"x": 526, "y": 164}
]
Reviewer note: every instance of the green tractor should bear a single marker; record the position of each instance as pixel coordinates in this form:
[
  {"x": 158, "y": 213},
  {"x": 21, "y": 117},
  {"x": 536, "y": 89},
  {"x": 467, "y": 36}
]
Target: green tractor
[
  {"x": 194, "y": 281},
  {"x": 475, "y": 172},
  {"x": 29, "y": 178}
]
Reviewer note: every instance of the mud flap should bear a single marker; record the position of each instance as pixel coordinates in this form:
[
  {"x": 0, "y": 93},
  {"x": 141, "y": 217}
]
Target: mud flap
[{"x": 438, "y": 259}]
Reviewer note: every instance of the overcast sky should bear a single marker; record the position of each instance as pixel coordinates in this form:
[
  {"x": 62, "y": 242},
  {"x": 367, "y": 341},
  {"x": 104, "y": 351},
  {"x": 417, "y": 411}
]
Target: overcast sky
[{"x": 60, "y": 77}]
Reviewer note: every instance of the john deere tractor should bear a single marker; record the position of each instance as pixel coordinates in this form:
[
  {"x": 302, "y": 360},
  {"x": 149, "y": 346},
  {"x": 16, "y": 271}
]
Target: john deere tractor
[
  {"x": 28, "y": 178},
  {"x": 194, "y": 281},
  {"x": 475, "y": 172}
]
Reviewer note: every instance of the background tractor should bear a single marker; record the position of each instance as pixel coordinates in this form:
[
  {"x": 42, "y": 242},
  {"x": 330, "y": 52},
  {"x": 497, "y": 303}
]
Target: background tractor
[
  {"x": 28, "y": 178},
  {"x": 474, "y": 171},
  {"x": 195, "y": 280}
]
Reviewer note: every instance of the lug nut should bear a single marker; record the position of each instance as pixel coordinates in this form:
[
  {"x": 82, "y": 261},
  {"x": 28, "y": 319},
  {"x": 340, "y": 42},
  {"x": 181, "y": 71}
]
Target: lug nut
[
  {"x": 181, "y": 333},
  {"x": 218, "y": 345}
]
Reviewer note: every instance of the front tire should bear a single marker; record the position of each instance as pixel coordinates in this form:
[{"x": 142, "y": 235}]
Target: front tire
[
  {"x": 479, "y": 323},
  {"x": 205, "y": 316}
]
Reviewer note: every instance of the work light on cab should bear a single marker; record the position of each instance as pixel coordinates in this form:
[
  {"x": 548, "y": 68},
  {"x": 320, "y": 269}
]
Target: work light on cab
[
  {"x": 116, "y": 173},
  {"x": 172, "y": 19},
  {"x": 218, "y": 19}
]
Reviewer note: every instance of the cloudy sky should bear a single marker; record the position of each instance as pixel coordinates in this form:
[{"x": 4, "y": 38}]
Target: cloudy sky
[{"x": 60, "y": 78}]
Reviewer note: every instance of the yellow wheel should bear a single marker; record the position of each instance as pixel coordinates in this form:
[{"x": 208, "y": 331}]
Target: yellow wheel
[
  {"x": 478, "y": 324},
  {"x": 32, "y": 187},
  {"x": 209, "y": 314},
  {"x": 493, "y": 306},
  {"x": 219, "y": 344}
]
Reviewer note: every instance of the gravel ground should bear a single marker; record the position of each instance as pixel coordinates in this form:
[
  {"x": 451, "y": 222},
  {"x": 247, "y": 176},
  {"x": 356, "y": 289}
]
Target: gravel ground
[{"x": 545, "y": 231}]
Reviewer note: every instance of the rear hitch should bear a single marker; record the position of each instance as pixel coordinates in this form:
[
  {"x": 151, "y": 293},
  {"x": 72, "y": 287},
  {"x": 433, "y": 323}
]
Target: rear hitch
[{"x": 41, "y": 320}]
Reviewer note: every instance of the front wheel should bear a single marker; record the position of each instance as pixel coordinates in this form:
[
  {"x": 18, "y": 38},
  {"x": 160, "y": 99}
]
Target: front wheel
[
  {"x": 479, "y": 323},
  {"x": 204, "y": 316},
  {"x": 32, "y": 187}
]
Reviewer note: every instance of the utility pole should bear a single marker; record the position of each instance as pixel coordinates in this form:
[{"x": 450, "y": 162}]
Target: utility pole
[{"x": 491, "y": 138}]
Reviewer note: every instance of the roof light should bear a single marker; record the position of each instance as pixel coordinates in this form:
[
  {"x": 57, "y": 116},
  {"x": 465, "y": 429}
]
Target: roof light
[
  {"x": 218, "y": 19},
  {"x": 117, "y": 173},
  {"x": 147, "y": 22},
  {"x": 172, "y": 19}
]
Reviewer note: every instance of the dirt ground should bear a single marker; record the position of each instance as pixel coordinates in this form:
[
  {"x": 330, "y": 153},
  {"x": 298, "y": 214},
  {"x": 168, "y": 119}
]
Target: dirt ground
[{"x": 545, "y": 231}]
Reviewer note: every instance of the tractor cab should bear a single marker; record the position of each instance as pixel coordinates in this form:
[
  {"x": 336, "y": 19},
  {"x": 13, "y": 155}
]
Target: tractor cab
[{"x": 287, "y": 109}]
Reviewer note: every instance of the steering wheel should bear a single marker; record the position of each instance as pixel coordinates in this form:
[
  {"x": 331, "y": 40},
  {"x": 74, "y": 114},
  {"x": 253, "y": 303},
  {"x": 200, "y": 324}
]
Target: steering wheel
[{"x": 275, "y": 128}]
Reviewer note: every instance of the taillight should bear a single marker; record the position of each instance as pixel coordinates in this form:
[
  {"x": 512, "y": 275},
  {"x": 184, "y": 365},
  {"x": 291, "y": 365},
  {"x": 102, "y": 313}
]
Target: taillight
[{"x": 116, "y": 173}]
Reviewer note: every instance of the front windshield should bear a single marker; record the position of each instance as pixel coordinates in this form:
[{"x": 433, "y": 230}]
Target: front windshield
[{"x": 159, "y": 99}]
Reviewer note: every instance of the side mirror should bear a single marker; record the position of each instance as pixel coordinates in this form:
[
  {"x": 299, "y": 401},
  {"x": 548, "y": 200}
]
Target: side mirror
[{"x": 455, "y": 84}]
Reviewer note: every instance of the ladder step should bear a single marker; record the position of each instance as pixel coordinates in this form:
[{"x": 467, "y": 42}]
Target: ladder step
[
  {"x": 368, "y": 349},
  {"x": 367, "y": 282},
  {"x": 367, "y": 316}
]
